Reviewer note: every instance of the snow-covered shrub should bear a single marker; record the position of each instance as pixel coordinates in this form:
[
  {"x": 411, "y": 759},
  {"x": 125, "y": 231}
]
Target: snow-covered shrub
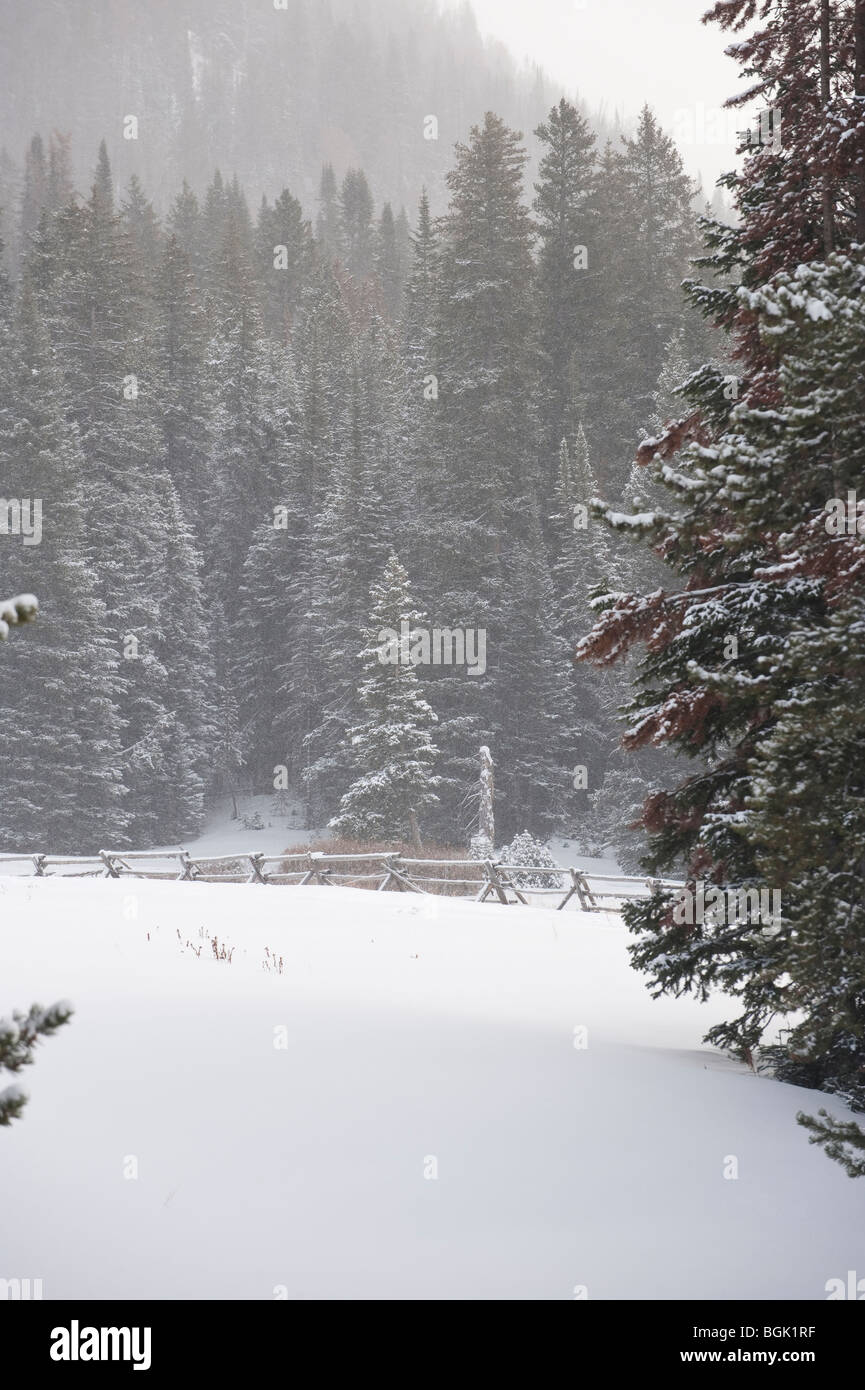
[{"x": 525, "y": 849}]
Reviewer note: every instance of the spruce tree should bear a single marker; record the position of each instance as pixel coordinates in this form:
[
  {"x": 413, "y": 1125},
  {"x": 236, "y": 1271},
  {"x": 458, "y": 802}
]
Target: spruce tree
[
  {"x": 389, "y": 263},
  {"x": 567, "y": 225},
  {"x": 480, "y": 493},
  {"x": 60, "y": 784},
  {"x": 19, "y": 1036},
  {"x": 283, "y": 254},
  {"x": 752, "y": 663},
  {"x": 182, "y": 398},
  {"x": 353, "y": 537},
  {"x": 327, "y": 226},
  {"x": 392, "y": 751},
  {"x": 357, "y": 239},
  {"x": 280, "y": 645}
]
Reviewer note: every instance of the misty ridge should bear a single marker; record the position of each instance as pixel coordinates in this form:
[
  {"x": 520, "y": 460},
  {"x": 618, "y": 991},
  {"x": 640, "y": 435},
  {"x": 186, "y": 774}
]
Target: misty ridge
[{"x": 268, "y": 94}]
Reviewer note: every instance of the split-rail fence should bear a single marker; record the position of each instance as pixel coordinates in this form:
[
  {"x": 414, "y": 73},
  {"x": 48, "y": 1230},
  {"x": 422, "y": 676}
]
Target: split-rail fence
[{"x": 482, "y": 880}]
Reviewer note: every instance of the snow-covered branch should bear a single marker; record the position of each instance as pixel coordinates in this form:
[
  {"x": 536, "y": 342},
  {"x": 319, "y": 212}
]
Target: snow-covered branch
[{"x": 14, "y": 611}]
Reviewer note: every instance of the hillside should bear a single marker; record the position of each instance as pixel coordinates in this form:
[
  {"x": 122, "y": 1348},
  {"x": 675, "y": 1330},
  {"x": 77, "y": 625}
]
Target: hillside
[{"x": 270, "y": 94}]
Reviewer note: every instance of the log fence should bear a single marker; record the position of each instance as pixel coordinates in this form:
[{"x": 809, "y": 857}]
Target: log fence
[{"x": 490, "y": 880}]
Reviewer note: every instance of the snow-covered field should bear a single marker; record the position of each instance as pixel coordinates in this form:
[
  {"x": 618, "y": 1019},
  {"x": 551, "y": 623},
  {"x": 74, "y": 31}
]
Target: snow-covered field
[{"x": 400, "y": 1112}]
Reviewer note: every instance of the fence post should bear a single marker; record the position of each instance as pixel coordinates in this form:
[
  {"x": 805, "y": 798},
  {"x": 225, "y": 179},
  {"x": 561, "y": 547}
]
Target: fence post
[
  {"x": 494, "y": 882},
  {"x": 258, "y": 875},
  {"x": 187, "y": 868},
  {"x": 110, "y": 869},
  {"x": 574, "y": 888},
  {"x": 508, "y": 882}
]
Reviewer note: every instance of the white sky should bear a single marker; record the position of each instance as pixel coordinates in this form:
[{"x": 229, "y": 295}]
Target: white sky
[{"x": 624, "y": 52}]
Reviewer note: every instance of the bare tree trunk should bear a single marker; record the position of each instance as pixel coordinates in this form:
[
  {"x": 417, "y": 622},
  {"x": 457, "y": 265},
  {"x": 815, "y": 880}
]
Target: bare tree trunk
[
  {"x": 487, "y": 823},
  {"x": 415, "y": 832},
  {"x": 859, "y": 89},
  {"x": 825, "y": 96}
]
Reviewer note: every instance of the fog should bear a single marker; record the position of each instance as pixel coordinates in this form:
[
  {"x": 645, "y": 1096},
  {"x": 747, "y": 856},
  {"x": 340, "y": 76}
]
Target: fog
[{"x": 617, "y": 54}]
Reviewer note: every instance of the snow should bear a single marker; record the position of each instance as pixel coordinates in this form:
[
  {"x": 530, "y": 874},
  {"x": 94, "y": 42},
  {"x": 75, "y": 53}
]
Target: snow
[
  {"x": 222, "y": 835},
  {"x": 415, "y": 1029}
]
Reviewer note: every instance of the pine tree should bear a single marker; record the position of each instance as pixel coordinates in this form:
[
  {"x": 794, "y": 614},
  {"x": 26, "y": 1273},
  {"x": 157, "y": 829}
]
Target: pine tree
[
  {"x": 284, "y": 256},
  {"x": 353, "y": 537},
  {"x": 752, "y": 664},
  {"x": 392, "y": 751},
  {"x": 389, "y": 264},
  {"x": 421, "y": 292},
  {"x": 58, "y": 187},
  {"x": 357, "y": 238},
  {"x": 327, "y": 225},
  {"x": 608, "y": 365},
  {"x": 280, "y": 685},
  {"x": 646, "y": 237},
  {"x": 184, "y": 223},
  {"x": 142, "y": 224},
  {"x": 103, "y": 323},
  {"x": 182, "y": 396},
  {"x": 60, "y": 786},
  {"x": 526, "y": 849},
  {"x": 249, "y": 409},
  {"x": 567, "y": 224},
  {"x": 581, "y": 568},
  {"x": 19, "y": 1036},
  {"x": 35, "y": 187},
  {"x": 487, "y": 570}
]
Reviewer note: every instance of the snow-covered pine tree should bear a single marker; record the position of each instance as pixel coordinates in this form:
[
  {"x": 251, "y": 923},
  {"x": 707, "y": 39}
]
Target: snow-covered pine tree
[
  {"x": 389, "y": 263},
  {"x": 526, "y": 849},
  {"x": 567, "y": 224},
  {"x": 249, "y": 386},
  {"x": 392, "y": 750},
  {"x": 354, "y": 534},
  {"x": 19, "y": 1036},
  {"x": 184, "y": 222},
  {"x": 646, "y": 235},
  {"x": 280, "y": 645},
  {"x": 35, "y": 190},
  {"x": 60, "y": 784},
  {"x": 357, "y": 234},
  {"x": 419, "y": 386},
  {"x": 283, "y": 261},
  {"x": 480, "y": 489},
  {"x": 138, "y": 217},
  {"x": 182, "y": 403},
  {"x": 327, "y": 226},
  {"x": 103, "y": 322},
  {"x": 753, "y": 665},
  {"x": 581, "y": 567}
]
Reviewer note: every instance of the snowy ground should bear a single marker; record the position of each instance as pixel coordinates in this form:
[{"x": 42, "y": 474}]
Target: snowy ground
[{"x": 420, "y": 1034}]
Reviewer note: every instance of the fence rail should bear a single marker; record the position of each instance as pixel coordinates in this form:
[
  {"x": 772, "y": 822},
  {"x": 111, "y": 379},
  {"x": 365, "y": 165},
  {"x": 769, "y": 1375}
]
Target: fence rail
[{"x": 490, "y": 879}]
